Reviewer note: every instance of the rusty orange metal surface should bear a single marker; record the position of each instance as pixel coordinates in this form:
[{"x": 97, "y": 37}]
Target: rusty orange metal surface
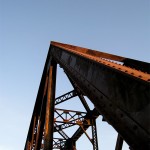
[{"x": 118, "y": 87}]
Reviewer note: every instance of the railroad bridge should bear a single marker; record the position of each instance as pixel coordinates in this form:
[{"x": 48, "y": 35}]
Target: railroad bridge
[{"x": 118, "y": 87}]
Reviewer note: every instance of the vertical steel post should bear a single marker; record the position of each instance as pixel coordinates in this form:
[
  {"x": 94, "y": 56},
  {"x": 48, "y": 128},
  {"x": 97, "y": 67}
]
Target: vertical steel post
[
  {"x": 119, "y": 143},
  {"x": 40, "y": 128},
  {"x": 31, "y": 134},
  {"x": 28, "y": 145},
  {"x": 39, "y": 134},
  {"x": 33, "y": 130},
  {"x": 41, "y": 121},
  {"x": 49, "y": 118},
  {"x": 94, "y": 134}
]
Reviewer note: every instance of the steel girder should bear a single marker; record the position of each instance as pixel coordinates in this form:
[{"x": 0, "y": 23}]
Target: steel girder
[
  {"x": 118, "y": 91},
  {"x": 114, "y": 84}
]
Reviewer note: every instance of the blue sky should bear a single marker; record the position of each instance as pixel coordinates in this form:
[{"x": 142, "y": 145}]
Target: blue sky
[{"x": 119, "y": 27}]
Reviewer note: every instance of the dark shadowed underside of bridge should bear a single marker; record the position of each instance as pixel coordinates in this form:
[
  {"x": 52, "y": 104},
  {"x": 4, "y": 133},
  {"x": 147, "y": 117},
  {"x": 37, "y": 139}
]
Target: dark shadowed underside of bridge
[{"x": 118, "y": 87}]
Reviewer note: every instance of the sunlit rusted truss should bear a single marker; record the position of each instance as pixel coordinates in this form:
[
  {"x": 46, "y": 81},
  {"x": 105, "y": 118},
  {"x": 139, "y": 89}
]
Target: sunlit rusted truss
[{"x": 118, "y": 87}]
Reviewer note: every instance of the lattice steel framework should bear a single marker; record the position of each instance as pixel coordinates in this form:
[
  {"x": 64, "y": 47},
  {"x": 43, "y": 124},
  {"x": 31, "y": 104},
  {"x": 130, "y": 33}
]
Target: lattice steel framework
[{"x": 118, "y": 87}]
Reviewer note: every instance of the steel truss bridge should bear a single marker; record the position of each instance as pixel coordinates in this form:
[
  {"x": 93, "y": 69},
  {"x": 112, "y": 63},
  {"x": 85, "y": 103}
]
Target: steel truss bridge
[{"x": 118, "y": 87}]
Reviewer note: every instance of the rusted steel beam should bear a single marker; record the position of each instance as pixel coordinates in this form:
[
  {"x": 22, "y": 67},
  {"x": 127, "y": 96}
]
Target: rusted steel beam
[
  {"x": 80, "y": 95},
  {"x": 119, "y": 143},
  {"x": 86, "y": 134},
  {"x": 83, "y": 101},
  {"x": 61, "y": 132},
  {"x": 49, "y": 118},
  {"x": 40, "y": 126},
  {"x": 88, "y": 51},
  {"x": 94, "y": 134},
  {"x": 34, "y": 136},
  {"x": 90, "y": 115},
  {"x": 136, "y": 64},
  {"x": 39, "y": 134},
  {"x": 37, "y": 106},
  {"x": 41, "y": 120},
  {"x": 68, "y": 118},
  {"x": 65, "y": 97},
  {"x": 66, "y": 110},
  {"x": 33, "y": 132},
  {"x": 121, "y": 94}
]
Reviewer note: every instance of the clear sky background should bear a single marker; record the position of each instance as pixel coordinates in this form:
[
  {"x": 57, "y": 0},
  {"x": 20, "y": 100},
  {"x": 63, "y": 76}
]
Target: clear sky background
[{"x": 119, "y": 27}]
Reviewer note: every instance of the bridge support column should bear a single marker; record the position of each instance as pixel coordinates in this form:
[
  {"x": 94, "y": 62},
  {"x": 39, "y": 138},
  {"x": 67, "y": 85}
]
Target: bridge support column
[
  {"x": 94, "y": 135},
  {"x": 49, "y": 118}
]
